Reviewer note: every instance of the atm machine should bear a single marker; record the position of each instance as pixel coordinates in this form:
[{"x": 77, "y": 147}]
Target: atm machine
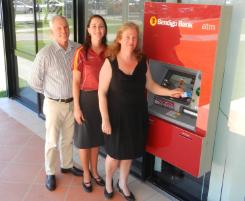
[
  {"x": 172, "y": 134},
  {"x": 186, "y": 47}
]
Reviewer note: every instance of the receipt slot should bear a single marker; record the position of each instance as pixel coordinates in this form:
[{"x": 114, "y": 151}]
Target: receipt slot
[{"x": 186, "y": 45}]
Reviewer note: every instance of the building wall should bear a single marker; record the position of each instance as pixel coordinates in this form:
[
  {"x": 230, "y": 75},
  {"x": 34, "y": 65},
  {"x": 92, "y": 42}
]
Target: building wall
[{"x": 227, "y": 175}]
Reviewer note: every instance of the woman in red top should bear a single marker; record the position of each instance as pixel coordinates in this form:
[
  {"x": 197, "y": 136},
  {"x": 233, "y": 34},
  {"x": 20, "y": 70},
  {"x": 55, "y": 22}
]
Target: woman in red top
[{"x": 87, "y": 63}]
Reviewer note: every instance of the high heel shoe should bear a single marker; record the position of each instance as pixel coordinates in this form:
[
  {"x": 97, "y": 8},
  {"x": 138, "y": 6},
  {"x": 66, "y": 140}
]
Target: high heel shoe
[
  {"x": 98, "y": 180},
  {"x": 127, "y": 197},
  {"x": 87, "y": 187},
  {"x": 107, "y": 194}
]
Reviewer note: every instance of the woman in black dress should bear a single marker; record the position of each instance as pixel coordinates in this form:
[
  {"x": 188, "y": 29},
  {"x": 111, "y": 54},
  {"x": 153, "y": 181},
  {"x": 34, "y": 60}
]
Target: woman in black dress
[{"x": 122, "y": 100}]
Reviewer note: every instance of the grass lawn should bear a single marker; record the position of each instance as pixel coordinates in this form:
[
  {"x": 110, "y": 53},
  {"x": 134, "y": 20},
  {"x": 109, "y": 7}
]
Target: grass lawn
[{"x": 3, "y": 94}]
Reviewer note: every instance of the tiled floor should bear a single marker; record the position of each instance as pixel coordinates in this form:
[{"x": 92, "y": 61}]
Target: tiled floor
[{"x": 22, "y": 164}]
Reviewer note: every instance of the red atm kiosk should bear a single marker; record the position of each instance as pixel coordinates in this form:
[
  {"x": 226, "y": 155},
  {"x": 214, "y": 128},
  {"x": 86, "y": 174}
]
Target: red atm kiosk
[{"x": 186, "y": 47}]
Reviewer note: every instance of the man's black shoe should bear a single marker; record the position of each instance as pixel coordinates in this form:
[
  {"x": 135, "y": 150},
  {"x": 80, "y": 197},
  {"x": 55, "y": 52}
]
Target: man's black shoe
[
  {"x": 75, "y": 171},
  {"x": 50, "y": 182}
]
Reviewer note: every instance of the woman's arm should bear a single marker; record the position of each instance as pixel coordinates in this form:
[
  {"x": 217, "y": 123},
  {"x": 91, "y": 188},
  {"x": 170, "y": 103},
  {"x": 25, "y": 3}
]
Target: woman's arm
[
  {"x": 155, "y": 88},
  {"x": 104, "y": 82},
  {"x": 76, "y": 96}
]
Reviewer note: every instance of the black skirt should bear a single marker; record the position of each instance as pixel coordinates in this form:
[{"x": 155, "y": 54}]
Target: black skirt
[
  {"x": 127, "y": 107},
  {"x": 89, "y": 133}
]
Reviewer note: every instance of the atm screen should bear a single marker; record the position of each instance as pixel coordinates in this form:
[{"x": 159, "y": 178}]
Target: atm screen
[
  {"x": 176, "y": 79},
  {"x": 180, "y": 81}
]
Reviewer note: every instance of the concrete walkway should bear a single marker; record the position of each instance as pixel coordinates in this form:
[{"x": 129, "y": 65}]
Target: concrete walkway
[{"x": 22, "y": 173}]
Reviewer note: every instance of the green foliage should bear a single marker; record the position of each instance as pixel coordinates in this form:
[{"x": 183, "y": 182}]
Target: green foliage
[
  {"x": 23, "y": 83},
  {"x": 3, "y": 94}
]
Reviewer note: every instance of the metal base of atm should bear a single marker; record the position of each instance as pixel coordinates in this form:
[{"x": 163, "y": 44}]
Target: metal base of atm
[{"x": 180, "y": 184}]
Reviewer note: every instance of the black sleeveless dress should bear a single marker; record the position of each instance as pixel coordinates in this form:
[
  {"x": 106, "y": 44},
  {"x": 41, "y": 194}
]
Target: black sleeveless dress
[{"x": 127, "y": 106}]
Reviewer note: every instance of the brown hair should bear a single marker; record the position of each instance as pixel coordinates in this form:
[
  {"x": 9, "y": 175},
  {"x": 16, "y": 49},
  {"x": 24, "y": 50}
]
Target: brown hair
[
  {"x": 87, "y": 44},
  {"x": 115, "y": 47}
]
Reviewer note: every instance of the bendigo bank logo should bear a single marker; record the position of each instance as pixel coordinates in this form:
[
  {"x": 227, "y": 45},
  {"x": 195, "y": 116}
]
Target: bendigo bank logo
[
  {"x": 170, "y": 22},
  {"x": 153, "y": 21}
]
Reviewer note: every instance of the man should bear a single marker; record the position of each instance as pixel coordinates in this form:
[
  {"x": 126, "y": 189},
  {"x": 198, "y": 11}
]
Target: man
[{"x": 52, "y": 76}]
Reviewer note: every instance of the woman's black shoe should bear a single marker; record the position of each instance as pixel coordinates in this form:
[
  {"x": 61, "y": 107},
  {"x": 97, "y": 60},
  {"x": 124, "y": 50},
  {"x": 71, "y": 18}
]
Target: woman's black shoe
[
  {"x": 127, "y": 197},
  {"x": 109, "y": 195},
  {"x": 99, "y": 180},
  {"x": 87, "y": 187}
]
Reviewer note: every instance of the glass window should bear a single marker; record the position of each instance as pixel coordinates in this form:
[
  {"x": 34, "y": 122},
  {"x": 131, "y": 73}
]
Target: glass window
[
  {"x": 46, "y": 10},
  {"x": 28, "y": 34},
  {"x": 2, "y": 61},
  {"x": 116, "y": 12},
  {"x": 24, "y": 26},
  {"x": 23, "y": 89}
]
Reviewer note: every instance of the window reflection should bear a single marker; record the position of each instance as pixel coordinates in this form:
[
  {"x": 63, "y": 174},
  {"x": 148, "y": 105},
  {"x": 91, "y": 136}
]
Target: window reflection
[
  {"x": 24, "y": 26},
  {"x": 116, "y": 12},
  {"x": 23, "y": 7},
  {"x": 46, "y": 10},
  {"x": 24, "y": 73}
]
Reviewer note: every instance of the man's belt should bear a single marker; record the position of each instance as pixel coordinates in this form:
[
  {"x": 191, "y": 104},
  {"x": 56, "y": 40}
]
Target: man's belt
[{"x": 68, "y": 100}]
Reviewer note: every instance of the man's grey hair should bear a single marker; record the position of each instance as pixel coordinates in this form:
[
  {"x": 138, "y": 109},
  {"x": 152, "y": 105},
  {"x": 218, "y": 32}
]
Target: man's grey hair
[{"x": 51, "y": 22}]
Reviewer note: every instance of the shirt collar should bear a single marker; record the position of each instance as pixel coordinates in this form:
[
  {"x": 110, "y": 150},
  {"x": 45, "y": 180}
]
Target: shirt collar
[
  {"x": 94, "y": 53},
  {"x": 58, "y": 47}
]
